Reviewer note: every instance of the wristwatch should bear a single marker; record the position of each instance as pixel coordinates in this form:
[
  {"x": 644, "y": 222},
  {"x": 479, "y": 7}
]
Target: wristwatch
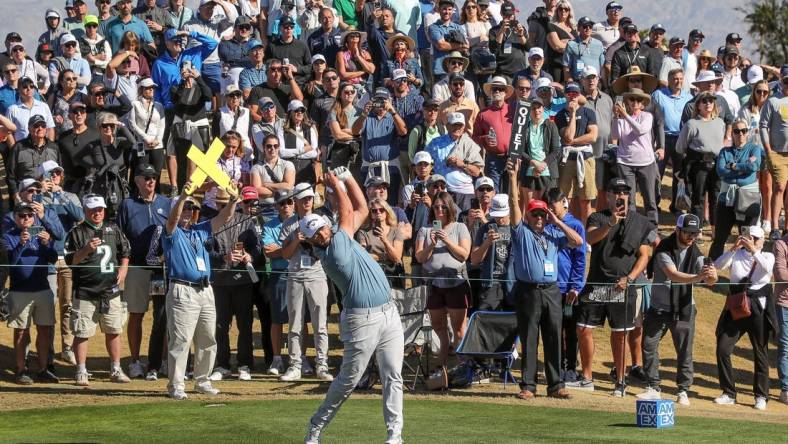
[{"x": 630, "y": 281}]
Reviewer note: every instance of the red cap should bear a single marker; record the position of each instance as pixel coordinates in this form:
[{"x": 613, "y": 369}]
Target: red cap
[
  {"x": 536, "y": 204},
  {"x": 249, "y": 193}
]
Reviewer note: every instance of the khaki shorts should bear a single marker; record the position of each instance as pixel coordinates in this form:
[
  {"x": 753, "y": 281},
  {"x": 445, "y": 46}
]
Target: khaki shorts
[
  {"x": 26, "y": 308},
  {"x": 137, "y": 290},
  {"x": 778, "y": 166},
  {"x": 85, "y": 315},
  {"x": 569, "y": 185}
]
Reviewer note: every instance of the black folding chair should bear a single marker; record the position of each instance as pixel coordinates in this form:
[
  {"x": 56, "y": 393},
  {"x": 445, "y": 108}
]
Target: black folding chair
[
  {"x": 492, "y": 335},
  {"x": 412, "y": 306}
]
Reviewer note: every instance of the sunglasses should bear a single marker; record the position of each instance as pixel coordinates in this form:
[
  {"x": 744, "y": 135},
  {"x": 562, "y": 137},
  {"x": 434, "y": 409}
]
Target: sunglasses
[
  {"x": 275, "y": 69},
  {"x": 377, "y": 210},
  {"x": 190, "y": 207},
  {"x": 431, "y": 109},
  {"x": 70, "y": 79},
  {"x": 98, "y": 94},
  {"x": 24, "y": 215},
  {"x": 91, "y": 25},
  {"x": 272, "y": 145},
  {"x": 740, "y": 131},
  {"x": 538, "y": 214},
  {"x": 456, "y": 62},
  {"x": 330, "y": 78},
  {"x": 39, "y": 125},
  {"x": 586, "y": 26},
  {"x": 299, "y": 110},
  {"x": 79, "y": 111},
  {"x": 291, "y": 27},
  {"x": 245, "y": 27},
  {"x": 523, "y": 88},
  {"x": 349, "y": 92},
  {"x": 27, "y": 86},
  {"x": 287, "y": 202},
  {"x": 70, "y": 45},
  {"x": 439, "y": 186},
  {"x": 485, "y": 189},
  {"x": 10, "y": 71},
  {"x": 564, "y": 8},
  {"x": 107, "y": 126},
  {"x": 457, "y": 84},
  {"x": 497, "y": 90},
  {"x": 149, "y": 179},
  {"x": 635, "y": 99},
  {"x": 471, "y": 7},
  {"x": 707, "y": 100},
  {"x": 268, "y": 106},
  {"x": 19, "y": 49},
  {"x": 762, "y": 92}
]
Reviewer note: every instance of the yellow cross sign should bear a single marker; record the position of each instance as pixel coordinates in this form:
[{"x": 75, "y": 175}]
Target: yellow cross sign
[{"x": 206, "y": 167}]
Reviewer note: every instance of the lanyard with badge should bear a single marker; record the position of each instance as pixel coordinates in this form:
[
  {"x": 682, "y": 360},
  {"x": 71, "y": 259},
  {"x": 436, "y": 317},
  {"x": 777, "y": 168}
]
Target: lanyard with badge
[
  {"x": 549, "y": 266},
  {"x": 201, "y": 266}
]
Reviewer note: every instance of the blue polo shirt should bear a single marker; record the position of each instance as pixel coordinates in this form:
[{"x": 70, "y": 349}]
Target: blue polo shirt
[
  {"x": 579, "y": 54},
  {"x": 572, "y": 261},
  {"x": 379, "y": 138},
  {"x": 113, "y": 31},
  {"x": 531, "y": 252},
  {"x": 437, "y": 32},
  {"x": 359, "y": 278},
  {"x": 183, "y": 247},
  {"x": 138, "y": 219},
  {"x": 271, "y": 231},
  {"x": 251, "y": 77},
  {"x": 29, "y": 272},
  {"x": 672, "y": 107}
]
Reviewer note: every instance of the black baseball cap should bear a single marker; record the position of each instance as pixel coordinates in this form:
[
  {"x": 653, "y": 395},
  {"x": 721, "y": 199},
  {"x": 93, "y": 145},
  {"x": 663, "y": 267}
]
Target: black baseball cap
[
  {"x": 13, "y": 36},
  {"x": 286, "y": 20},
  {"x": 613, "y": 5},
  {"x": 145, "y": 170},
  {"x": 733, "y": 37},
  {"x": 431, "y": 102},
  {"x": 37, "y": 118},
  {"x": 696, "y": 34},
  {"x": 630, "y": 27},
  {"x": 676, "y": 41},
  {"x": 688, "y": 222},
  {"x": 585, "y": 20},
  {"x": 456, "y": 76},
  {"x": 658, "y": 27},
  {"x": 507, "y": 9},
  {"x": 618, "y": 183}
]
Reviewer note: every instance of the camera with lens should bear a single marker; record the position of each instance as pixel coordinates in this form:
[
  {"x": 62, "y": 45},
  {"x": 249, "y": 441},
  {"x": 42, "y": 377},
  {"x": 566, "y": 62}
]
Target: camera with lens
[
  {"x": 455, "y": 36},
  {"x": 378, "y": 103},
  {"x": 419, "y": 188}
]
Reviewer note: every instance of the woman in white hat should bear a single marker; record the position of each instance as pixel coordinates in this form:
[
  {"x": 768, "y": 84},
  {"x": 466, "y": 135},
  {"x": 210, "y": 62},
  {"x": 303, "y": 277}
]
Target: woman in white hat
[
  {"x": 402, "y": 49},
  {"x": 146, "y": 122},
  {"x": 636, "y": 159}
]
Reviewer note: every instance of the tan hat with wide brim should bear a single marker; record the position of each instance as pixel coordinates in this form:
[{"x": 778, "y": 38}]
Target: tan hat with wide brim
[
  {"x": 637, "y": 92},
  {"x": 621, "y": 85},
  {"x": 498, "y": 81},
  {"x": 395, "y": 38},
  {"x": 346, "y": 34},
  {"x": 455, "y": 55},
  {"x": 707, "y": 54}
]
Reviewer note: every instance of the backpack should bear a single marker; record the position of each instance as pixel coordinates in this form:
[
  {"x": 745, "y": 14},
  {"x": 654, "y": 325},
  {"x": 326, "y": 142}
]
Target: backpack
[{"x": 108, "y": 183}]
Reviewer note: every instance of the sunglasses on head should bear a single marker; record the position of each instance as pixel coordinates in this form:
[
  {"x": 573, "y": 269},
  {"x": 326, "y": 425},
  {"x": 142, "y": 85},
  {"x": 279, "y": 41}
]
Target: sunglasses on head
[{"x": 740, "y": 131}]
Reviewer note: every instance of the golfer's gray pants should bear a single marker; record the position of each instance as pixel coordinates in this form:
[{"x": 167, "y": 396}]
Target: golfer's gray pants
[
  {"x": 644, "y": 179},
  {"x": 315, "y": 295},
  {"x": 191, "y": 316},
  {"x": 655, "y": 325},
  {"x": 378, "y": 332}
]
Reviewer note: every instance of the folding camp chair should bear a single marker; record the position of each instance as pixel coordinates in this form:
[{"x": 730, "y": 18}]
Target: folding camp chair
[
  {"x": 412, "y": 306},
  {"x": 492, "y": 335}
]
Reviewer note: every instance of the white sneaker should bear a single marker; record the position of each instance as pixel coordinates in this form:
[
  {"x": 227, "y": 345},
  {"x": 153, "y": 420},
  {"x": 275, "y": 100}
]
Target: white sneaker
[
  {"x": 306, "y": 367},
  {"x": 206, "y": 388},
  {"x": 292, "y": 374},
  {"x": 244, "y": 374},
  {"x": 136, "y": 370},
  {"x": 620, "y": 390},
  {"x": 117, "y": 376},
  {"x": 582, "y": 384},
  {"x": 767, "y": 226},
  {"x": 682, "y": 398},
  {"x": 277, "y": 366},
  {"x": 323, "y": 374},
  {"x": 81, "y": 379},
  {"x": 724, "y": 399},
  {"x": 219, "y": 373},
  {"x": 178, "y": 395},
  {"x": 152, "y": 375},
  {"x": 760, "y": 403},
  {"x": 67, "y": 355},
  {"x": 312, "y": 435},
  {"x": 650, "y": 394},
  {"x": 784, "y": 396}
]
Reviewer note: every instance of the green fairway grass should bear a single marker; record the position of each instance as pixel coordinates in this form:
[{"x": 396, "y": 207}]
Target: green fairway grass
[{"x": 359, "y": 421}]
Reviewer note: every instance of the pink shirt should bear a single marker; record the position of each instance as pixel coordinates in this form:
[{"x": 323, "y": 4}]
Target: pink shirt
[{"x": 635, "y": 146}]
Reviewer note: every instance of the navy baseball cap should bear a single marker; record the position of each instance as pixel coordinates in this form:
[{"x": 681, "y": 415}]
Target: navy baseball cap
[
  {"x": 572, "y": 87},
  {"x": 688, "y": 222}
]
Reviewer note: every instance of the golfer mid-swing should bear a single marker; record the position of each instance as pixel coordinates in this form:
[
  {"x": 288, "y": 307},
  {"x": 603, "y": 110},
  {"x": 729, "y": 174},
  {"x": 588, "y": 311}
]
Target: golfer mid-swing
[{"x": 370, "y": 323}]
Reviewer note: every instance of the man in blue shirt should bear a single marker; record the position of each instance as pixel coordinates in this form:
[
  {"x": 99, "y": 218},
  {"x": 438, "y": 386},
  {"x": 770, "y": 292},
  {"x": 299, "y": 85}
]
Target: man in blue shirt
[
  {"x": 140, "y": 217},
  {"x": 583, "y": 51},
  {"x": 536, "y": 242},
  {"x": 446, "y": 36},
  {"x": 370, "y": 323},
  {"x": 671, "y": 100},
  {"x": 191, "y": 310},
  {"x": 30, "y": 299},
  {"x": 166, "y": 70},
  {"x": 571, "y": 279},
  {"x": 327, "y": 39},
  {"x": 113, "y": 29}
]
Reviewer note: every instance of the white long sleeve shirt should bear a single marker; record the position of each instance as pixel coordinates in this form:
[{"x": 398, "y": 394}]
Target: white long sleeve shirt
[{"x": 741, "y": 262}]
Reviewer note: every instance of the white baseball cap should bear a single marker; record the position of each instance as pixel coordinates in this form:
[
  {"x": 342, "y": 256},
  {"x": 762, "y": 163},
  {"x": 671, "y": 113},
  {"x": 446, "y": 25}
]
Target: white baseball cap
[
  {"x": 399, "y": 74},
  {"x": 754, "y": 74},
  {"x": 47, "y": 167},
  {"x": 500, "y": 206},
  {"x": 542, "y": 82},
  {"x": 483, "y": 181},
  {"x": 422, "y": 156},
  {"x": 456, "y": 118},
  {"x": 147, "y": 82},
  {"x": 589, "y": 71},
  {"x": 67, "y": 38},
  {"x": 303, "y": 190},
  {"x": 756, "y": 231},
  {"x": 24, "y": 184},
  {"x": 294, "y": 105},
  {"x": 310, "y": 224},
  {"x": 317, "y": 57},
  {"x": 536, "y": 51},
  {"x": 92, "y": 201}
]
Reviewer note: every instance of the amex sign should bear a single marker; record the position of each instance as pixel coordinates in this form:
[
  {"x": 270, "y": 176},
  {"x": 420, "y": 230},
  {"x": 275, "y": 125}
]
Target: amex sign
[{"x": 656, "y": 414}]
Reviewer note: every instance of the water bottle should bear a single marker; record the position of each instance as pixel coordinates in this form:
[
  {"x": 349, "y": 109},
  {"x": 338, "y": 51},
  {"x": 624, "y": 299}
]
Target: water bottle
[{"x": 492, "y": 138}]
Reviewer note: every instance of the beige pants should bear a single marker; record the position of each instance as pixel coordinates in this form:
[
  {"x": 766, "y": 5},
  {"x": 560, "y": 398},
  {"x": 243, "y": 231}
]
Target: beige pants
[
  {"x": 191, "y": 316},
  {"x": 60, "y": 284}
]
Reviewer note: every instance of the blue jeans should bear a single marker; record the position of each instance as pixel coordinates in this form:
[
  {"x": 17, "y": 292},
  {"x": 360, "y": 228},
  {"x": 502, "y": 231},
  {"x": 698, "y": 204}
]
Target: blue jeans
[
  {"x": 782, "y": 347},
  {"x": 495, "y": 169},
  {"x": 212, "y": 74}
]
